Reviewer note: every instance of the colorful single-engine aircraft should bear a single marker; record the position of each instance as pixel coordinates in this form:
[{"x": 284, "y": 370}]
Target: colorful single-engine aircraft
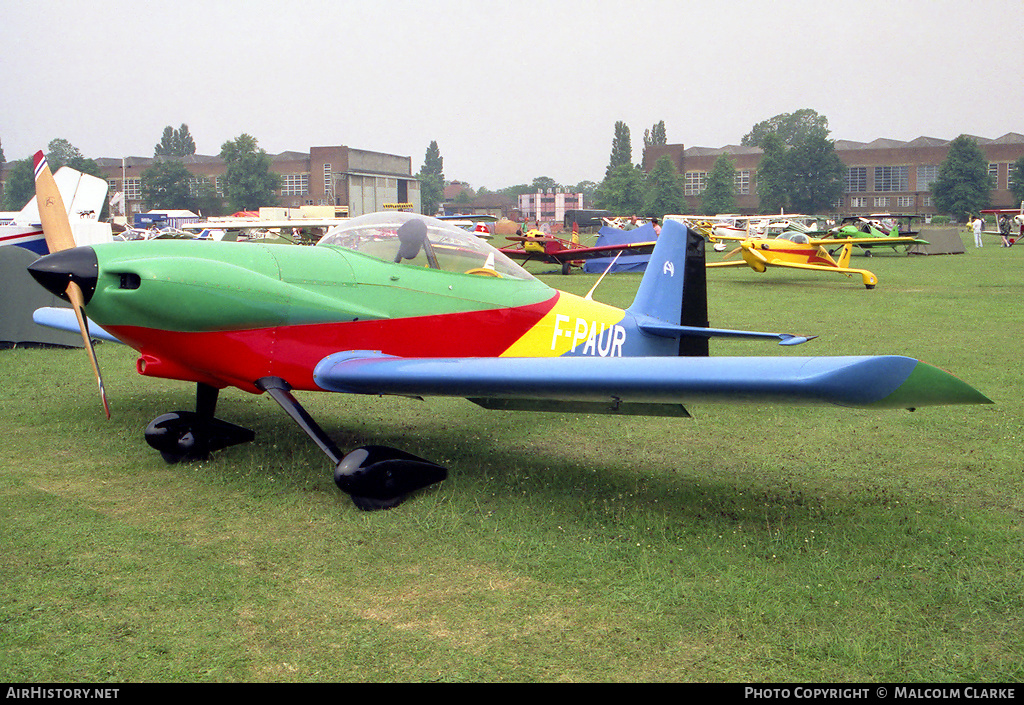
[
  {"x": 536, "y": 245},
  {"x": 395, "y": 303},
  {"x": 799, "y": 251},
  {"x": 880, "y": 230}
]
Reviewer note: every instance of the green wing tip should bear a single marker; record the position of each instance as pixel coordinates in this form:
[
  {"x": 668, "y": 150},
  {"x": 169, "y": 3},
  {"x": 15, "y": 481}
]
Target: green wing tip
[{"x": 929, "y": 386}]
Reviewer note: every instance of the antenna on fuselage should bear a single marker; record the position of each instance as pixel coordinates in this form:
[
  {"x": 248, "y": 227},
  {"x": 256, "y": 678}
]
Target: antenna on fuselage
[{"x": 590, "y": 294}]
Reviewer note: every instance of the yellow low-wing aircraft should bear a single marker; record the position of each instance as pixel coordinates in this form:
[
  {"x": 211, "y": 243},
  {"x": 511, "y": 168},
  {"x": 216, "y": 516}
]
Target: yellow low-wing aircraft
[{"x": 799, "y": 251}]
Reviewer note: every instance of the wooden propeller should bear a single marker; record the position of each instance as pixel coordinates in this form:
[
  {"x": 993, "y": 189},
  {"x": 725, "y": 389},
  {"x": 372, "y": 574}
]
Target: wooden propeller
[{"x": 57, "y": 231}]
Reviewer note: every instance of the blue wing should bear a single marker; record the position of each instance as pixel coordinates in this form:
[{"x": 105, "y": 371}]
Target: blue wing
[
  {"x": 881, "y": 381},
  {"x": 64, "y": 319}
]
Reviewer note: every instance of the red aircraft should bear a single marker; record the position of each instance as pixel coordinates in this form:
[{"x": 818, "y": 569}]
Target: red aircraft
[{"x": 543, "y": 247}]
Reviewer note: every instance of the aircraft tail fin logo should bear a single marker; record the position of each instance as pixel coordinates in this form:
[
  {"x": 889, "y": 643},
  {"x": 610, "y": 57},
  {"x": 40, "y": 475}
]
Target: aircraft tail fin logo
[{"x": 683, "y": 299}]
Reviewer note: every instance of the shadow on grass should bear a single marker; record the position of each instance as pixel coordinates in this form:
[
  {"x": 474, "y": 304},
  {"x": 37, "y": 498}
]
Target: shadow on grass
[{"x": 501, "y": 459}]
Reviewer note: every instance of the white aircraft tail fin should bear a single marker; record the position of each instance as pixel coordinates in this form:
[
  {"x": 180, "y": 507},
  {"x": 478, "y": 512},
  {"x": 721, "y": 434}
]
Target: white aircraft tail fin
[{"x": 83, "y": 196}]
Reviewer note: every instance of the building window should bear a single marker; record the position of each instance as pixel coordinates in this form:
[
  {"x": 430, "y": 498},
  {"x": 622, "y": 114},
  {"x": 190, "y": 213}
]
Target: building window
[
  {"x": 328, "y": 177},
  {"x": 905, "y": 201},
  {"x": 695, "y": 182},
  {"x": 926, "y": 201},
  {"x": 133, "y": 189},
  {"x": 892, "y": 178},
  {"x": 858, "y": 202},
  {"x": 856, "y": 180},
  {"x": 993, "y": 175},
  {"x": 741, "y": 182},
  {"x": 197, "y": 185},
  {"x": 926, "y": 174},
  {"x": 294, "y": 184},
  {"x": 881, "y": 201}
]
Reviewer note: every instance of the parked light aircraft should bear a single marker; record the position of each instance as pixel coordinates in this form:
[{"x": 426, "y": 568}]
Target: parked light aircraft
[
  {"x": 82, "y": 193},
  {"x": 799, "y": 251},
  {"x": 1016, "y": 229},
  {"x": 304, "y": 230},
  {"x": 396, "y": 303},
  {"x": 880, "y": 230},
  {"x": 721, "y": 228},
  {"x": 543, "y": 247}
]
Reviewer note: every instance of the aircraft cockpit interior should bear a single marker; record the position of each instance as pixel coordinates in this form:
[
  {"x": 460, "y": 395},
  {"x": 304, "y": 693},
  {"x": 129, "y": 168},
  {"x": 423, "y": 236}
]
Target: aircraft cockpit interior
[{"x": 409, "y": 239}]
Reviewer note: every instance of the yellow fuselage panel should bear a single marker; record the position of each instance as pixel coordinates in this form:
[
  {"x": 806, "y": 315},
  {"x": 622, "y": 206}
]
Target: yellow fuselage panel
[
  {"x": 759, "y": 252},
  {"x": 574, "y": 324}
]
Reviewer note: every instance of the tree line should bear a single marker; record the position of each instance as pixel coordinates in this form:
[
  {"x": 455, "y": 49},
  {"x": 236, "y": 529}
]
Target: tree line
[
  {"x": 799, "y": 171},
  {"x": 248, "y": 182}
]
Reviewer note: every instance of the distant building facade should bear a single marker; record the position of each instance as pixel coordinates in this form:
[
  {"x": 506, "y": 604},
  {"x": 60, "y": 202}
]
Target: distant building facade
[
  {"x": 493, "y": 204},
  {"x": 881, "y": 176},
  {"x": 548, "y": 205},
  {"x": 354, "y": 179}
]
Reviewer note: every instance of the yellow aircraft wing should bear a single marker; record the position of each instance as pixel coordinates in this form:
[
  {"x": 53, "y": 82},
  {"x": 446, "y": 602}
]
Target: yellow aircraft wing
[{"x": 867, "y": 277}]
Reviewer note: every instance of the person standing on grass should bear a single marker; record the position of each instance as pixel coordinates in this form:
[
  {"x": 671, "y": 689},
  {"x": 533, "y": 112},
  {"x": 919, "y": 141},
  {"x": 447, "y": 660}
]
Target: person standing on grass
[
  {"x": 1004, "y": 230},
  {"x": 977, "y": 231}
]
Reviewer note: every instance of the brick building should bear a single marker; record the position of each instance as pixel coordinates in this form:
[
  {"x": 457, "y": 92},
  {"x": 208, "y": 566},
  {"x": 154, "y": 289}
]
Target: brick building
[
  {"x": 881, "y": 176},
  {"x": 354, "y": 179}
]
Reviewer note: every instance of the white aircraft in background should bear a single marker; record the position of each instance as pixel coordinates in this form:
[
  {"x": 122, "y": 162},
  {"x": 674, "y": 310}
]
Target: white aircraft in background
[{"x": 83, "y": 194}]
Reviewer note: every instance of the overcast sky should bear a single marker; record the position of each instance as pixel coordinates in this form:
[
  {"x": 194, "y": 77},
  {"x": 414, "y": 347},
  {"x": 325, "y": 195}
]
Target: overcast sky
[{"x": 509, "y": 90}]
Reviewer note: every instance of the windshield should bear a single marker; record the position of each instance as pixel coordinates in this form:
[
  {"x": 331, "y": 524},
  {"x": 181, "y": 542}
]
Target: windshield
[
  {"x": 419, "y": 240},
  {"x": 798, "y": 238}
]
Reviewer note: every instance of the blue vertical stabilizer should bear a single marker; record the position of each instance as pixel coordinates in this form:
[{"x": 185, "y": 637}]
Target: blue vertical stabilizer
[{"x": 674, "y": 287}]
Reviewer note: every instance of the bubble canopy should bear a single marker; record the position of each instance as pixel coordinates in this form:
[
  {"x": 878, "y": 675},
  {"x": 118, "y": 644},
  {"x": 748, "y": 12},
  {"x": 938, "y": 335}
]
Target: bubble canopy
[{"x": 421, "y": 241}]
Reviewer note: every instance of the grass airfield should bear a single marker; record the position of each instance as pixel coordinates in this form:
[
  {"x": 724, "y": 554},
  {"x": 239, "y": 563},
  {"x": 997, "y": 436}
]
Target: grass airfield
[{"x": 750, "y": 543}]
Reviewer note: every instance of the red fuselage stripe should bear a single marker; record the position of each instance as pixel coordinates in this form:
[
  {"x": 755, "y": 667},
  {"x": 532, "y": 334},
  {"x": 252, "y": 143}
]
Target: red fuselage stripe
[{"x": 239, "y": 357}]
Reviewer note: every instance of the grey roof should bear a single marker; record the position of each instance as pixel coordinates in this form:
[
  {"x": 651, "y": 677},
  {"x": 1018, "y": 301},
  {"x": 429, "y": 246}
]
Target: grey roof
[
  {"x": 1010, "y": 138},
  {"x": 882, "y": 143},
  {"x": 147, "y": 161},
  {"x": 849, "y": 144},
  {"x": 727, "y": 149},
  {"x": 927, "y": 142},
  {"x": 846, "y": 145}
]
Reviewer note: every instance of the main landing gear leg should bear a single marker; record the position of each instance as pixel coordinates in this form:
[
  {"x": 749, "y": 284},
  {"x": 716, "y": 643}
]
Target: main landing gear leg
[
  {"x": 376, "y": 477},
  {"x": 193, "y": 435}
]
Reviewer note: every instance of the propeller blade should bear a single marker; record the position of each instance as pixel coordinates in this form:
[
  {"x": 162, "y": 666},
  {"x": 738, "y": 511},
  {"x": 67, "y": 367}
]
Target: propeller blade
[
  {"x": 57, "y": 231},
  {"x": 52, "y": 213},
  {"x": 78, "y": 304}
]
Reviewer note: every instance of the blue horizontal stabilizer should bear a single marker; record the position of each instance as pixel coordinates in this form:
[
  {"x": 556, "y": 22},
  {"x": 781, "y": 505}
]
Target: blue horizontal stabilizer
[{"x": 655, "y": 327}]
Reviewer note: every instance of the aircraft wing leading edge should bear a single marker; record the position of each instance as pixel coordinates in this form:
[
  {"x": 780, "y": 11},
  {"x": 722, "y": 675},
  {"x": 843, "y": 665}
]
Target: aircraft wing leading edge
[
  {"x": 64, "y": 319},
  {"x": 872, "y": 382}
]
